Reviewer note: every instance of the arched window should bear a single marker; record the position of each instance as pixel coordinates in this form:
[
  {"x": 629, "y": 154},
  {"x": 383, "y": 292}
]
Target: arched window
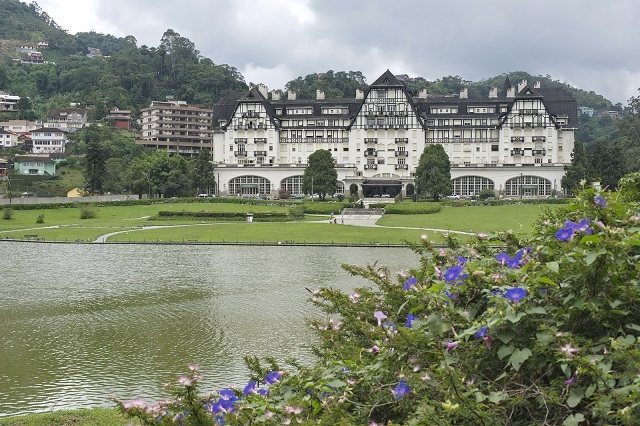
[
  {"x": 471, "y": 185},
  {"x": 249, "y": 185},
  {"x": 353, "y": 189},
  {"x": 410, "y": 190},
  {"x": 527, "y": 186},
  {"x": 293, "y": 184}
]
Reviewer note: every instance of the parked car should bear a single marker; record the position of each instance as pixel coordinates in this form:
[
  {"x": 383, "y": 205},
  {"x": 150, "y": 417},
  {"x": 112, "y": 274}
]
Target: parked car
[
  {"x": 385, "y": 196},
  {"x": 453, "y": 197}
]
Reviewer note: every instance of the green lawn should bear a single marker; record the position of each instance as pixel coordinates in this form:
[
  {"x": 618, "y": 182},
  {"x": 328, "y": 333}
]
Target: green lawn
[
  {"x": 134, "y": 223},
  {"x": 517, "y": 217},
  {"x": 90, "y": 417}
]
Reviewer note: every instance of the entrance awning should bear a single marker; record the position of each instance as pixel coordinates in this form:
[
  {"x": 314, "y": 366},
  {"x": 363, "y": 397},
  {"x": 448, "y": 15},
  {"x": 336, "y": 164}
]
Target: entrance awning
[{"x": 381, "y": 182}]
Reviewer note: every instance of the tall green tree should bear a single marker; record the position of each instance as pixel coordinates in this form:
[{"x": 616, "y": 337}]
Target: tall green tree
[
  {"x": 202, "y": 177},
  {"x": 579, "y": 170},
  {"x": 433, "y": 175},
  {"x": 608, "y": 163},
  {"x": 320, "y": 176},
  {"x": 94, "y": 160}
]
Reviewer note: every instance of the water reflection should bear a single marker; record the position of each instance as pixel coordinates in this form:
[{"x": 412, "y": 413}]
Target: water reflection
[{"x": 82, "y": 323}]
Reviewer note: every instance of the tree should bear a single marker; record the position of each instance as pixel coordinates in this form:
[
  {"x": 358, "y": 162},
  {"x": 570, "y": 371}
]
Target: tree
[
  {"x": 202, "y": 177},
  {"x": 607, "y": 163},
  {"x": 320, "y": 176},
  {"x": 94, "y": 160},
  {"x": 579, "y": 170},
  {"x": 433, "y": 175}
]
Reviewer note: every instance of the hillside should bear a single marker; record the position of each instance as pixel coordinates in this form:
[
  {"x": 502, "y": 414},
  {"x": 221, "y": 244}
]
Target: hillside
[{"x": 129, "y": 77}]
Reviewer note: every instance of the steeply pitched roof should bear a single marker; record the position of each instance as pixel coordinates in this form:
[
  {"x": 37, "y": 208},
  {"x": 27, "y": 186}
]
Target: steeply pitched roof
[{"x": 387, "y": 79}]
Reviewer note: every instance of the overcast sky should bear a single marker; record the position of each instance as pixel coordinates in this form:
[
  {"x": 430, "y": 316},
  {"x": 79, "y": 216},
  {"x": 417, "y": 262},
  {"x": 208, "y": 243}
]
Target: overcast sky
[{"x": 590, "y": 44}]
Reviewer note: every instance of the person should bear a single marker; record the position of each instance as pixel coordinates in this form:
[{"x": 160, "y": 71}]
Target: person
[{"x": 335, "y": 220}]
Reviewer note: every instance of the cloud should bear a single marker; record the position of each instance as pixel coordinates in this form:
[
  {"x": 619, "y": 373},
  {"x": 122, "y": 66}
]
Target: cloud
[{"x": 590, "y": 43}]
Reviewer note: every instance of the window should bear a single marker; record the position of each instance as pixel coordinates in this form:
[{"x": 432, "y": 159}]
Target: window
[{"x": 494, "y": 148}]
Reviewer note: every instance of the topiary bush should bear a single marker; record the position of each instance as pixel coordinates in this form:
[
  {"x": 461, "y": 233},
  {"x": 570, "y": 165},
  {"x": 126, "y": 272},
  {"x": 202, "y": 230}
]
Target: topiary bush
[
  {"x": 496, "y": 331},
  {"x": 7, "y": 213},
  {"x": 87, "y": 212}
]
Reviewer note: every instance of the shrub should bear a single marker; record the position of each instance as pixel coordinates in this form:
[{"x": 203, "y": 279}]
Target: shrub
[
  {"x": 544, "y": 330},
  {"x": 87, "y": 212},
  {"x": 486, "y": 193},
  {"x": 412, "y": 208},
  {"x": 40, "y": 219},
  {"x": 7, "y": 213}
]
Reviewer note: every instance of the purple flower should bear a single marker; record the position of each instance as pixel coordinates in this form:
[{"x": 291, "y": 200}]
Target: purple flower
[
  {"x": 401, "y": 390},
  {"x": 503, "y": 257},
  {"x": 273, "y": 377},
  {"x": 515, "y": 294},
  {"x": 570, "y": 381},
  {"x": 453, "y": 273},
  {"x": 263, "y": 392},
  {"x": 564, "y": 234},
  {"x": 250, "y": 388},
  {"x": 379, "y": 315},
  {"x": 410, "y": 283},
  {"x": 481, "y": 333},
  {"x": 461, "y": 260},
  {"x": 451, "y": 346},
  {"x": 410, "y": 319},
  {"x": 600, "y": 201}
]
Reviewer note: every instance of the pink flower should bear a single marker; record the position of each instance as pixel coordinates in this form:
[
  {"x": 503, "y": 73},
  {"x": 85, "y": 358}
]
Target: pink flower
[
  {"x": 134, "y": 403},
  {"x": 184, "y": 381},
  {"x": 451, "y": 346},
  {"x": 193, "y": 367},
  {"x": 379, "y": 315},
  {"x": 293, "y": 410},
  {"x": 569, "y": 350},
  {"x": 354, "y": 297}
]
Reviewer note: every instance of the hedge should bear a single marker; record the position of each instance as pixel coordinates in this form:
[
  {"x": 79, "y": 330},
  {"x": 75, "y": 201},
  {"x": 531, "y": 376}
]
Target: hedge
[{"x": 412, "y": 208}]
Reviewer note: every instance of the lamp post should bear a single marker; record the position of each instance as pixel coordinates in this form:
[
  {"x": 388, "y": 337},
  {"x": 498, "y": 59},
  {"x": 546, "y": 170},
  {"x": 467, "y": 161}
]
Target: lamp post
[
  {"x": 149, "y": 182},
  {"x": 312, "y": 189}
]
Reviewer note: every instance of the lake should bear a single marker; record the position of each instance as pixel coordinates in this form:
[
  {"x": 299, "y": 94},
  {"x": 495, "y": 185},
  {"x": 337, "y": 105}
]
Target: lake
[{"x": 81, "y": 323}]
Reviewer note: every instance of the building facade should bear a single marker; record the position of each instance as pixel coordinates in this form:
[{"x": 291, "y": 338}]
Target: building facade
[
  {"x": 515, "y": 141},
  {"x": 67, "y": 119},
  {"x": 48, "y": 140},
  {"x": 177, "y": 127}
]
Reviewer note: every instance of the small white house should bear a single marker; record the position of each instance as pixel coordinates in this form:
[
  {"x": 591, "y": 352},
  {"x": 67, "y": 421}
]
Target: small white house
[{"x": 48, "y": 140}]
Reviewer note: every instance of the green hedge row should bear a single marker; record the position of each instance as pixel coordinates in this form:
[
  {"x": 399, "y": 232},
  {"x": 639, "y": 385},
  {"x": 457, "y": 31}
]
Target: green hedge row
[
  {"x": 215, "y": 215},
  {"x": 324, "y": 208},
  {"x": 412, "y": 208}
]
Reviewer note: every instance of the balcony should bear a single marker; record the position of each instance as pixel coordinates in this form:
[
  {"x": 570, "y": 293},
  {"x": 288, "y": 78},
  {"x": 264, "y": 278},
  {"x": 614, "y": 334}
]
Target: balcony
[
  {"x": 460, "y": 140},
  {"x": 259, "y": 153},
  {"x": 259, "y": 140},
  {"x": 402, "y": 153},
  {"x": 399, "y": 140},
  {"x": 539, "y": 152},
  {"x": 402, "y": 167},
  {"x": 371, "y": 167},
  {"x": 517, "y": 139},
  {"x": 517, "y": 152},
  {"x": 240, "y": 153},
  {"x": 370, "y": 140},
  {"x": 538, "y": 138},
  {"x": 240, "y": 140},
  {"x": 371, "y": 153}
]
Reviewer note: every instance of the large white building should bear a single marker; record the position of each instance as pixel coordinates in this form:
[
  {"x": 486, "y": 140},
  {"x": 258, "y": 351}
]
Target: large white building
[{"x": 515, "y": 141}]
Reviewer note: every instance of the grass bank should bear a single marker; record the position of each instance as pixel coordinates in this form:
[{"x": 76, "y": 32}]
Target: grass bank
[
  {"x": 85, "y": 417},
  {"x": 138, "y": 223}
]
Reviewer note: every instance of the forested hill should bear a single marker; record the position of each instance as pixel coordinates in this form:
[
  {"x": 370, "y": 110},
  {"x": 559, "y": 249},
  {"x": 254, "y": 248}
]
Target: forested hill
[{"x": 129, "y": 76}]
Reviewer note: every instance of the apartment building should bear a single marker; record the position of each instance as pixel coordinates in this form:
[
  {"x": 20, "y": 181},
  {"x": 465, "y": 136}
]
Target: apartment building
[
  {"x": 515, "y": 141},
  {"x": 48, "y": 140},
  {"x": 177, "y": 127}
]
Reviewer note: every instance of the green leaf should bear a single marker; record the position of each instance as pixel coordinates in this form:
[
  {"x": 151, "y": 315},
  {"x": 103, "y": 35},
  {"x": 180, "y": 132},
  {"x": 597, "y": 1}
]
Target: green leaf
[
  {"x": 545, "y": 338},
  {"x": 573, "y": 420},
  {"x": 505, "y": 351},
  {"x": 436, "y": 325},
  {"x": 536, "y": 310},
  {"x": 593, "y": 255},
  {"x": 518, "y": 357},
  {"x": 497, "y": 397},
  {"x": 336, "y": 383},
  {"x": 480, "y": 397},
  {"x": 514, "y": 317},
  {"x": 506, "y": 336},
  {"x": 635, "y": 327},
  {"x": 553, "y": 266},
  {"x": 593, "y": 238},
  {"x": 575, "y": 397},
  {"x": 545, "y": 280}
]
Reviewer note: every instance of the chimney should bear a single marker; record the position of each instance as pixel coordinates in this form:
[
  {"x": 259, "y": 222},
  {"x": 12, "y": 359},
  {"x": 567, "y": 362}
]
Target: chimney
[
  {"x": 275, "y": 95},
  {"x": 359, "y": 94},
  {"x": 511, "y": 92},
  {"x": 493, "y": 93},
  {"x": 291, "y": 95},
  {"x": 522, "y": 85},
  {"x": 464, "y": 93},
  {"x": 537, "y": 85},
  {"x": 422, "y": 94},
  {"x": 263, "y": 90},
  {"x": 319, "y": 94}
]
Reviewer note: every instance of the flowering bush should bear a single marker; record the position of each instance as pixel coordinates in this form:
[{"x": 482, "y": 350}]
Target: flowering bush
[{"x": 543, "y": 330}]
